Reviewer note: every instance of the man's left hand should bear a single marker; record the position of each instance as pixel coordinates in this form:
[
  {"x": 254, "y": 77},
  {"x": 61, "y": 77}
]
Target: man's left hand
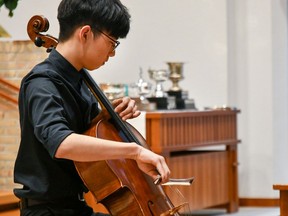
[{"x": 126, "y": 108}]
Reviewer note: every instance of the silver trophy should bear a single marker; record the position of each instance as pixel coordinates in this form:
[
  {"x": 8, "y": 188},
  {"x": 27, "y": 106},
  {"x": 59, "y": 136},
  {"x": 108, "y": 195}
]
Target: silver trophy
[
  {"x": 176, "y": 74},
  {"x": 144, "y": 88},
  {"x": 159, "y": 76},
  {"x": 113, "y": 90}
]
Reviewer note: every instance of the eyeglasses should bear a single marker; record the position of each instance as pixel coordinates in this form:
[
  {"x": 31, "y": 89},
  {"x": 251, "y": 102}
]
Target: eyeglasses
[{"x": 116, "y": 43}]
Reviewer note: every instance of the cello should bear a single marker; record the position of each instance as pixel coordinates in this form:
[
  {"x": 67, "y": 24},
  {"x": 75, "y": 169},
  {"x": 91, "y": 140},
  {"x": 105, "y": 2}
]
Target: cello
[{"x": 123, "y": 188}]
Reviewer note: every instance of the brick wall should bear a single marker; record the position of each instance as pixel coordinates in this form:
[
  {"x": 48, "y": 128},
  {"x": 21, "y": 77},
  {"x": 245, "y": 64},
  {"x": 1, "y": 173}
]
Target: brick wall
[{"x": 16, "y": 60}]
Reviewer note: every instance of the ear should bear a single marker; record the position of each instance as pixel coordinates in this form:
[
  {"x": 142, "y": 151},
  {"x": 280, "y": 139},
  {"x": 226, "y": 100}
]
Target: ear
[{"x": 85, "y": 33}]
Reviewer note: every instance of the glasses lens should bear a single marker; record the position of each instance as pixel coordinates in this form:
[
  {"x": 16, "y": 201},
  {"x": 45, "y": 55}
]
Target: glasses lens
[{"x": 116, "y": 43}]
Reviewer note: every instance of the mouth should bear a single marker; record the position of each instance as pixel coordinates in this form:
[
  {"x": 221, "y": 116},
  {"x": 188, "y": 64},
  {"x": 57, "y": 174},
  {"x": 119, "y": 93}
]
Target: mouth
[{"x": 105, "y": 62}]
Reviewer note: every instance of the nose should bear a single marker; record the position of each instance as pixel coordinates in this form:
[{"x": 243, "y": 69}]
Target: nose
[{"x": 112, "y": 53}]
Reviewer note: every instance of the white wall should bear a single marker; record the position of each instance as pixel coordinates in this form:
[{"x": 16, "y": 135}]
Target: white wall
[
  {"x": 195, "y": 34},
  {"x": 258, "y": 85},
  {"x": 17, "y": 25},
  {"x": 235, "y": 53},
  {"x": 280, "y": 88},
  {"x": 162, "y": 32}
]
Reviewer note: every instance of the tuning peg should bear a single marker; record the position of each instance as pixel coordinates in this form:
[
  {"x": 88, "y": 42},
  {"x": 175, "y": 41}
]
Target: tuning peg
[{"x": 38, "y": 42}]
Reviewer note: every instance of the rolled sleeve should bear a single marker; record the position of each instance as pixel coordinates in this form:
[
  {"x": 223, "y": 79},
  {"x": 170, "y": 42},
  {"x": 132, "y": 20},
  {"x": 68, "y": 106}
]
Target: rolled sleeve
[{"x": 47, "y": 114}]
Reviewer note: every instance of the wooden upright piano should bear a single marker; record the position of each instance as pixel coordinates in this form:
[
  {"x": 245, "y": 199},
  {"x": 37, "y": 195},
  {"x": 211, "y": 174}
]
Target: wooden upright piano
[{"x": 202, "y": 144}]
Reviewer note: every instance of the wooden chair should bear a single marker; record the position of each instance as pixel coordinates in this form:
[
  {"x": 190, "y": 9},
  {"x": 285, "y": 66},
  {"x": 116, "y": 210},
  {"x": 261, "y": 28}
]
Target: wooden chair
[
  {"x": 283, "y": 198},
  {"x": 8, "y": 204}
]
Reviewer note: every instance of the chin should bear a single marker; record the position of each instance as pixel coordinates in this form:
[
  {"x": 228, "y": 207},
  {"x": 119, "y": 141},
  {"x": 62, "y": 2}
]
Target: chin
[{"x": 95, "y": 67}]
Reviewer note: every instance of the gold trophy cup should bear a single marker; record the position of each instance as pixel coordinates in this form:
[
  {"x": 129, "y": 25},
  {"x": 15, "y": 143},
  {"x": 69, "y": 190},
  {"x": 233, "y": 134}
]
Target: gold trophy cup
[{"x": 176, "y": 74}]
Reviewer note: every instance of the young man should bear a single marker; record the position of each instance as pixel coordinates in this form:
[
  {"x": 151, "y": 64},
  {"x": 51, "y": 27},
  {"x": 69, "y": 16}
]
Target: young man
[{"x": 56, "y": 107}]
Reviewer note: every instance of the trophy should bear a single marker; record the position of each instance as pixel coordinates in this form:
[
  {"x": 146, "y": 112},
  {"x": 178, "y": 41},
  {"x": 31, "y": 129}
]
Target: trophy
[
  {"x": 176, "y": 74},
  {"x": 113, "y": 90},
  {"x": 144, "y": 88},
  {"x": 159, "y": 76}
]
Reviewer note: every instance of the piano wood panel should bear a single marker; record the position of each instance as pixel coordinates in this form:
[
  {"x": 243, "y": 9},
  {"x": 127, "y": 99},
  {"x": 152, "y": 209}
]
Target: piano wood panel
[
  {"x": 178, "y": 135},
  {"x": 207, "y": 189}
]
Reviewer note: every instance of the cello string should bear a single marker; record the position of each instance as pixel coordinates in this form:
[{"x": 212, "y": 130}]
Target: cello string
[{"x": 180, "y": 196}]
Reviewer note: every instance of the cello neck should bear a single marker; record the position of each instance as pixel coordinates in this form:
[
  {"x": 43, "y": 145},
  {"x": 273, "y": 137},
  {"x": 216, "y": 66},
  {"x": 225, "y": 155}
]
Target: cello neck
[{"x": 105, "y": 103}]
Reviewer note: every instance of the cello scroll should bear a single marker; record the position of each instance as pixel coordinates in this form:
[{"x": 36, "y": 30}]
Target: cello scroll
[{"x": 36, "y": 25}]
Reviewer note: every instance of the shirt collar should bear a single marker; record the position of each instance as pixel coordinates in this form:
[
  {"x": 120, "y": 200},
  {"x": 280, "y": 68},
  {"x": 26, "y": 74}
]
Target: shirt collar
[{"x": 66, "y": 69}]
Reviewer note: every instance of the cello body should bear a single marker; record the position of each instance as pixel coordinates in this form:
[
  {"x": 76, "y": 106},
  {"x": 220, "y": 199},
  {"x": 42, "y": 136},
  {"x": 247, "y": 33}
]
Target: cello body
[{"x": 119, "y": 184}]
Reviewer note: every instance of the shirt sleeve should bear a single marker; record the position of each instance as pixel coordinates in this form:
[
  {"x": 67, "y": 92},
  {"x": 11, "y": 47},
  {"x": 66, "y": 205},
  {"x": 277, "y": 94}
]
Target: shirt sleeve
[{"x": 47, "y": 114}]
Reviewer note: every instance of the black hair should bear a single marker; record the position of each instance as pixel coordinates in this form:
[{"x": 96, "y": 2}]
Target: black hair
[{"x": 104, "y": 15}]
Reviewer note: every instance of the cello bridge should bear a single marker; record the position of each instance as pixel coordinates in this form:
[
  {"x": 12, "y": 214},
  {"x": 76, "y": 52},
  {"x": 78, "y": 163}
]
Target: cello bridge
[{"x": 174, "y": 210}]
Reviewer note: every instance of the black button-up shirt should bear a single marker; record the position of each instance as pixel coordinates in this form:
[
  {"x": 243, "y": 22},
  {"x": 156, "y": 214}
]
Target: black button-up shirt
[{"x": 53, "y": 103}]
